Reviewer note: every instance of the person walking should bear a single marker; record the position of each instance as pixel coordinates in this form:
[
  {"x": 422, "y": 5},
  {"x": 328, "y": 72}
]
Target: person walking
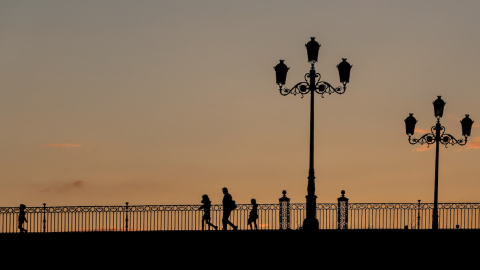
[
  {"x": 252, "y": 218},
  {"x": 206, "y": 212},
  {"x": 22, "y": 218},
  {"x": 228, "y": 206}
]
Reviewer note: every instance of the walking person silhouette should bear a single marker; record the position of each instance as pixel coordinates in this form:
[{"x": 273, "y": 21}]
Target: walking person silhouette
[
  {"x": 21, "y": 218},
  {"x": 228, "y": 207},
  {"x": 252, "y": 218},
  {"x": 206, "y": 212}
]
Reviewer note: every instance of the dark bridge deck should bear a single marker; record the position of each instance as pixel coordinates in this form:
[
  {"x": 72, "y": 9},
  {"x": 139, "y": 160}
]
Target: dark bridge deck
[{"x": 194, "y": 248}]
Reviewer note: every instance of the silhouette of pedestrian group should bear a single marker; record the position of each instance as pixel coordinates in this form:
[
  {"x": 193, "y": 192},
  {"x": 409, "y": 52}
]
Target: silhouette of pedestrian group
[{"x": 228, "y": 206}]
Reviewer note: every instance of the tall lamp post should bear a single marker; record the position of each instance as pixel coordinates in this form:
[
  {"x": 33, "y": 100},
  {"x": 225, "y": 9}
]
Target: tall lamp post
[
  {"x": 312, "y": 85},
  {"x": 436, "y": 137}
]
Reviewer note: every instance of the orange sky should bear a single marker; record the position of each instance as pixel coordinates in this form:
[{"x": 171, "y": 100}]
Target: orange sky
[{"x": 160, "y": 102}]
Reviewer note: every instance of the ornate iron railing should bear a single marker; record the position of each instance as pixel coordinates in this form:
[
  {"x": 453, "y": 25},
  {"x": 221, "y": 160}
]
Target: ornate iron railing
[{"x": 188, "y": 217}]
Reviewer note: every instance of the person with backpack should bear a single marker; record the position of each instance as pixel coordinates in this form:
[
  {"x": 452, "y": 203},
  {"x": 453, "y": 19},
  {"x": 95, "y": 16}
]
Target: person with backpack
[{"x": 228, "y": 206}]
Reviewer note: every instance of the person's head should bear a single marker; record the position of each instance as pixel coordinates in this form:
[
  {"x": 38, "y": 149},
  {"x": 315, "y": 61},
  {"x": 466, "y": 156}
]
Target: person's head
[
  {"x": 205, "y": 197},
  {"x": 254, "y": 201},
  {"x": 225, "y": 190},
  {"x": 22, "y": 207}
]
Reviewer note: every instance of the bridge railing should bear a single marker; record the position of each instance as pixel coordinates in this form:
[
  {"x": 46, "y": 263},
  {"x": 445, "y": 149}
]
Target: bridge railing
[{"x": 188, "y": 217}]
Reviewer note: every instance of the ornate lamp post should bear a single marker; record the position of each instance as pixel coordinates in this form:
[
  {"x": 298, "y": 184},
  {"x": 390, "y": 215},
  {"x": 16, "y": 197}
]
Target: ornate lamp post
[
  {"x": 312, "y": 85},
  {"x": 437, "y": 136}
]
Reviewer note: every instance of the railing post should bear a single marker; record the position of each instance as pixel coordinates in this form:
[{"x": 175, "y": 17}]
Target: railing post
[
  {"x": 418, "y": 215},
  {"x": 284, "y": 211},
  {"x": 342, "y": 212},
  {"x": 126, "y": 216},
  {"x": 44, "y": 217}
]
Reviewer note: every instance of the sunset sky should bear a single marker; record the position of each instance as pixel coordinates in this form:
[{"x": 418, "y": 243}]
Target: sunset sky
[{"x": 160, "y": 102}]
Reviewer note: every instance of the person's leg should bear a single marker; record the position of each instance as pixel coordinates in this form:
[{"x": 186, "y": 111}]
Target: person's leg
[
  {"x": 226, "y": 215},
  {"x": 209, "y": 223},
  {"x": 225, "y": 219}
]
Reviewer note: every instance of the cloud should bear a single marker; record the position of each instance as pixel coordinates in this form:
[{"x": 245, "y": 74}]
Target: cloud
[
  {"x": 421, "y": 130},
  {"x": 78, "y": 183},
  {"x": 62, "y": 145},
  {"x": 459, "y": 119},
  {"x": 454, "y": 117},
  {"x": 475, "y": 144},
  {"x": 471, "y": 144},
  {"x": 59, "y": 188},
  {"x": 422, "y": 148}
]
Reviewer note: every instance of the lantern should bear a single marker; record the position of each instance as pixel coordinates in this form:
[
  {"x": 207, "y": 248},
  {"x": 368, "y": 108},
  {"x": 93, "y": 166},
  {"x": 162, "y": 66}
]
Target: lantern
[
  {"x": 312, "y": 50},
  {"x": 281, "y": 72},
  {"x": 438, "y": 106},
  {"x": 410, "y": 122},
  {"x": 466, "y": 125},
  {"x": 344, "y": 71}
]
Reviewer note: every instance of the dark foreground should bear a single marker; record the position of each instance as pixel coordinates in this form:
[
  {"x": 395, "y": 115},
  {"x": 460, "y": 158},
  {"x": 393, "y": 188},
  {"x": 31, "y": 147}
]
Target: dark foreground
[{"x": 245, "y": 249}]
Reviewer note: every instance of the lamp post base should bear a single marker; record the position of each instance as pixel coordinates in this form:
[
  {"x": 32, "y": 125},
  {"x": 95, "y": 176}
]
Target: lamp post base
[
  {"x": 435, "y": 220},
  {"x": 311, "y": 222}
]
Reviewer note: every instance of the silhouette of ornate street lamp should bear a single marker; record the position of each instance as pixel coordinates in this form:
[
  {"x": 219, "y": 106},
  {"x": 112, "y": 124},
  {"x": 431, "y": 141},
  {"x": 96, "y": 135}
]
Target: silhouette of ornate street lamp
[
  {"x": 312, "y": 85},
  {"x": 437, "y": 136}
]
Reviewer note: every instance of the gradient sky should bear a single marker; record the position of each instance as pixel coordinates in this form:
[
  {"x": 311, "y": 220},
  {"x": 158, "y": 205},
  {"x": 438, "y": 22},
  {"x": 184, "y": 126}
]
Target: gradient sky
[{"x": 160, "y": 102}]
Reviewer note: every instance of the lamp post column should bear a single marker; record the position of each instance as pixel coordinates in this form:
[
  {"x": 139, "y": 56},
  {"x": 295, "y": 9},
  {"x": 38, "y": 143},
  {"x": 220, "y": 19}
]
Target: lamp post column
[
  {"x": 311, "y": 222},
  {"x": 438, "y": 127}
]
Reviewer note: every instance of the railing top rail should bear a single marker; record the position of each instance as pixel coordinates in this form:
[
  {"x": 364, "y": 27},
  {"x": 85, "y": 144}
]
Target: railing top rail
[{"x": 240, "y": 206}]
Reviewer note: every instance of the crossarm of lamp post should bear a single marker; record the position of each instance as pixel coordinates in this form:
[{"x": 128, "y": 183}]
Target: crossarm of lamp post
[
  {"x": 447, "y": 139},
  {"x": 301, "y": 88},
  {"x": 428, "y": 138},
  {"x": 323, "y": 87}
]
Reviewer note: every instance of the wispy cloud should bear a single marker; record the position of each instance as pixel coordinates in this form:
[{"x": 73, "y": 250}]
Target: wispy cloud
[
  {"x": 454, "y": 117},
  {"x": 422, "y": 148},
  {"x": 422, "y": 130},
  {"x": 62, "y": 145},
  {"x": 475, "y": 144},
  {"x": 59, "y": 188}
]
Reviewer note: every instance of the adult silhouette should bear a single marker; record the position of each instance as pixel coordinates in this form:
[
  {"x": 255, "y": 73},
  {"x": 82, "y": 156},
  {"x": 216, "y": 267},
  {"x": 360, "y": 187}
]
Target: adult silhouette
[
  {"x": 228, "y": 206},
  {"x": 206, "y": 212},
  {"x": 22, "y": 218},
  {"x": 252, "y": 218}
]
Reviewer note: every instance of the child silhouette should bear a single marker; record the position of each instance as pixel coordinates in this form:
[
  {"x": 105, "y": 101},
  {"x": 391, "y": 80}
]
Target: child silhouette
[
  {"x": 21, "y": 218},
  {"x": 253, "y": 215}
]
